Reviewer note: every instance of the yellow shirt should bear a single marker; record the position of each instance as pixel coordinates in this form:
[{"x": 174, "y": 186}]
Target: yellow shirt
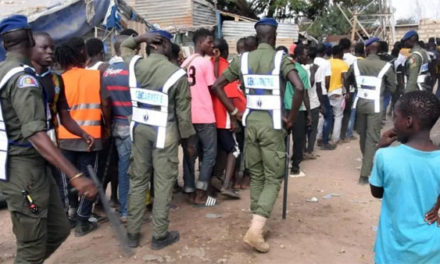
[{"x": 338, "y": 67}]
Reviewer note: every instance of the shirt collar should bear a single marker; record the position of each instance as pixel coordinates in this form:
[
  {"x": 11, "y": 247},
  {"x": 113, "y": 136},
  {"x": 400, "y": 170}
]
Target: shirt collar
[
  {"x": 115, "y": 59},
  {"x": 49, "y": 71},
  {"x": 373, "y": 57},
  {"x": 265, "y": 46},
  {"x": 17, "y": 57},
  {"x": 157, "y": 56}
]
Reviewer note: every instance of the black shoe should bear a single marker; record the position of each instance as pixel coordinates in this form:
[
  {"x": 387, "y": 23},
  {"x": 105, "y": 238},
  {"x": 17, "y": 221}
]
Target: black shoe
[
  {"x": 72, "y": 223},
  {"x": 328, "y": 146},
  {"x": 363, "y": 180},
  {"x": 170, "y": 238},
  {"x": 294, "y": 171},
  {"x": 84, "y": 227},
  {"x": 133, "y": 240}
]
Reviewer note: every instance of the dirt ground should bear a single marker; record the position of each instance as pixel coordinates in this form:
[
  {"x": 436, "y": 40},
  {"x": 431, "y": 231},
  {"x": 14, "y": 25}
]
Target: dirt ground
[{"x": 339, "y": 229}]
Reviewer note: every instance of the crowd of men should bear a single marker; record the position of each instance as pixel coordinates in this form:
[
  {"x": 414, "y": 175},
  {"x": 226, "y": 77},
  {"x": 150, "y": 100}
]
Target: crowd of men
[{"x": 65, "y": 107}]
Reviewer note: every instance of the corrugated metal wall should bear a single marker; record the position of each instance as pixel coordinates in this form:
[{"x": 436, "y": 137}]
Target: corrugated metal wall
[
  {"x": 232, "y": 31},
  {"x": 203, "y": 13},
  {"x": 166, "y": 12}
]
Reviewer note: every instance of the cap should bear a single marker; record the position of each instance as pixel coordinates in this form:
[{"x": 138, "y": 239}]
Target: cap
[
  {"x": 14, "y": 22},
  {"x": 267, "y": 21},
  {"x": 371, "y": 41},
  {"x": 163, "y": 33},
  {"x": 409, "y": 34}
]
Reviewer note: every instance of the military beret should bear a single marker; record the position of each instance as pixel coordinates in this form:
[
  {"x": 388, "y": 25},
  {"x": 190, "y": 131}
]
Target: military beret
[
  {"x": 267, "y": 21},
  {"x": 409, "y": 34},
  {"x": 371, "y": 41},
  {"x": 14, "y": 22},
  {"x": 163, "y": 33}
]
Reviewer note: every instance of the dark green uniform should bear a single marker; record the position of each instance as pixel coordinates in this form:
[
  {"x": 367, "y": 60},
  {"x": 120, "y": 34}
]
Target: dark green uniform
[
  {"x": 264, "y": 146},
  {"x": 38, "y": 235},
  {"x": 368, "y": 121},
  {"x": 151, "y": 74},
  {"x": 412, "y": 69}
]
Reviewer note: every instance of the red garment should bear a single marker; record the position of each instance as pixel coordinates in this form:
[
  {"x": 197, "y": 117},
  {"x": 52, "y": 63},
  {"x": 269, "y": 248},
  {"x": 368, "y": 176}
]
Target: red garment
[{"x": 233, "y": 92}]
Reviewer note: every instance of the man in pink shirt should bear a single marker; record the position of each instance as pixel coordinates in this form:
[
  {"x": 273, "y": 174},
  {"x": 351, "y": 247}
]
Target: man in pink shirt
[{"x": 201, "y": 77}]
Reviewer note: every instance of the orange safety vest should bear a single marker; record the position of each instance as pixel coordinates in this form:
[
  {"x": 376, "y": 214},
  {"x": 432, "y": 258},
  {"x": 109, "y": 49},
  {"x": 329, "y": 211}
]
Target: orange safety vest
[{"x": 82, "y": 89}]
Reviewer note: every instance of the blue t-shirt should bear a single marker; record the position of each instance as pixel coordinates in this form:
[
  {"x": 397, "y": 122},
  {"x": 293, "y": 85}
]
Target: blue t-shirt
[{"x": 411, "y": 182}]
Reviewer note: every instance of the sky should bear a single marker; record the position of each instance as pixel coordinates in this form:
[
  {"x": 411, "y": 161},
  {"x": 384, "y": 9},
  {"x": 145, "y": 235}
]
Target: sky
[{"x": 416, "y": 8}]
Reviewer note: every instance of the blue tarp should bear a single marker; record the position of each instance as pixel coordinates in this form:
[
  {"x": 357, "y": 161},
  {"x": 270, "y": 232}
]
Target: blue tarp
[{"x": 68, "y": 22}]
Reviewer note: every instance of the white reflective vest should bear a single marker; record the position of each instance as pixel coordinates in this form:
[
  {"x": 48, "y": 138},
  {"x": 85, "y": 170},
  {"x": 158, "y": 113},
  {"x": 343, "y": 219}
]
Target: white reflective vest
[
  {"x": 423, "y": 72},
  {"x": 368, "y": 87},
  {"x": 151, "y": 107},
  {"x": 255, "y": 84},
  {"x": 4, "y": 142}
]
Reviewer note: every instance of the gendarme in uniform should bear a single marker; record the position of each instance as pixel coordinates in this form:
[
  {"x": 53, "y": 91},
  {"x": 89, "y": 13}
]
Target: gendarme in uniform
[
  {"x": 39, "y": 232},
  {"x": 264, "y": 133},
  {"x": 161, "y": 116},
  {"x": 372, "y": 77},
  {"x": 416, "y": 67}
]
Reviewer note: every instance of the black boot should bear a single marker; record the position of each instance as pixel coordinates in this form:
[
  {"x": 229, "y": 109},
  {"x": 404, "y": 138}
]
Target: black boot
[
  {"x": 170, "y": 238},
  {"x": 84, "y": 227},
  {"x": 133, "y": 240}
]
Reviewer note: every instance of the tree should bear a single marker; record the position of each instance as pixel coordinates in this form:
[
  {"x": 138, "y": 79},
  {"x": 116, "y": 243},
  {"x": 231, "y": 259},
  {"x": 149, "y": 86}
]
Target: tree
[{"x": 406, "y": 21}]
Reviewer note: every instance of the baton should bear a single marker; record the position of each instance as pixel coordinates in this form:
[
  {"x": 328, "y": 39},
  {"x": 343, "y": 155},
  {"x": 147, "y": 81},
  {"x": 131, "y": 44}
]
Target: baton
[
  {"x": 286, "y": 175},
  {"x": 118, "y": 229}
]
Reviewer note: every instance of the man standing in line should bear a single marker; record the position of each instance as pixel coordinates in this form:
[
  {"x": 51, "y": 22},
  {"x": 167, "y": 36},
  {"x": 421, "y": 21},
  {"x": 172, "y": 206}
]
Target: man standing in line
[
  {"x": 116, "y": 88},
  {"x": 372, "y": 77},
  {"x": 337, "y": 92},
  {"x": 39, "y": 222},
  {"x": 201, "y": 77},
  {"x": 348, "y": 58},
  {"x": 326, "y": 121},
  {"x": 262, "y": 73},
  {"x": 161, "y": 116},
  {"x": 52, "y": 83},
  {"x": 416, "y": 66}
]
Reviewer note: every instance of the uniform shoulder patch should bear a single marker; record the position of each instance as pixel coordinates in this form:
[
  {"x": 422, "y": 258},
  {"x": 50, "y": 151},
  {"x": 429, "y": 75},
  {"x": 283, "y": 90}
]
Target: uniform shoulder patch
[{"x": 27, "y": 81}]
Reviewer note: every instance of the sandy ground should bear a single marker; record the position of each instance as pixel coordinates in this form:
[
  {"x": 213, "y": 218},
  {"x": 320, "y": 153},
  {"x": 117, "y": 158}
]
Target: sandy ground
[{"x": 340, "y": 229}]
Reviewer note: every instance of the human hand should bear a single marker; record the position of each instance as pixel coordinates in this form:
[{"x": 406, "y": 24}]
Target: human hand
[
  {"x": 322, "y": 110},
  {"x": 309, "y": 119},
  {"x": 288, "y": 123},
  {"x": 151, "y": 38},
  {"x": 85, "y": 187},
  {"x": 90, "y": 141},
  {"x": 387, "y": 138},
  {"x": 239, "y": 116},
  {"x": 432, "y": 216}
]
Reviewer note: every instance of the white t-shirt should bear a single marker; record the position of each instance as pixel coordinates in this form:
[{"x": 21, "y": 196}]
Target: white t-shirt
[
  {"x": 324, "y": 70},
  {"x": 350, "y": 59},
  {"x": 313, "y": 95}
]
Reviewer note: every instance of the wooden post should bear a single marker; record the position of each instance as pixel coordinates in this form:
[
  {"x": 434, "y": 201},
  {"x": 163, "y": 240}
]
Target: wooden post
[{"x": 353, "y": 31}]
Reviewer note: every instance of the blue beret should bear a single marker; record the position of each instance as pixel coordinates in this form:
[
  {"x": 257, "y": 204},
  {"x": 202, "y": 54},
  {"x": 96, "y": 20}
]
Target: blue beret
[
  {"x": 409, "y": 34},
  {"x": 371, "y": 41},
  {"x": 163, "y": 33},
  {"x": 14, "y": 22},
  {"x": 267, "y": 21}
]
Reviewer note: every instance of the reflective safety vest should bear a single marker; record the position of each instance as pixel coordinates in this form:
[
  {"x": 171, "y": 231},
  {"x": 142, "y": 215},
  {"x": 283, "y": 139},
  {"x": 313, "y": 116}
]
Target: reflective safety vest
[
  {"x": 4, "y": 142},
  {"x": 151, "y": 107},
  {"x": 82, "y": 89},
  {"x": 255, "y": 86},
  {"x": 423, "y": 72},
  {"x": 368, "y": 87}
]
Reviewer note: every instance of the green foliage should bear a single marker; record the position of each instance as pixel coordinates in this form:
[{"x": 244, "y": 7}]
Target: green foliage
[{"x": 327, "y": 19}]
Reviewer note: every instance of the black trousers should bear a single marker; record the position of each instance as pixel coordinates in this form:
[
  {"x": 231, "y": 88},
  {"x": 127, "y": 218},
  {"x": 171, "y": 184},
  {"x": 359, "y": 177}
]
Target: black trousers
[{"x": 299, "y": 139}]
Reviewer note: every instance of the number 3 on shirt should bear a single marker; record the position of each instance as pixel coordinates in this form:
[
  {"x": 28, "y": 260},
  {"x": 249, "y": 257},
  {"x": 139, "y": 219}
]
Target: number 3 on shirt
[{"x": 192, "y": 76}]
